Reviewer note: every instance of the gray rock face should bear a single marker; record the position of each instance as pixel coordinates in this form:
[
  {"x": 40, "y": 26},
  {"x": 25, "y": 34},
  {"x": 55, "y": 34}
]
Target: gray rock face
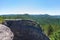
[
  {"x": 26, "y": 30},
  {"x": 5, "y": 33}
]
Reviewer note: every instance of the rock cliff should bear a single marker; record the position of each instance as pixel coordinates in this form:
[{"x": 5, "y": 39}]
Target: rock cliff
[{"x": 26, "y": 30}]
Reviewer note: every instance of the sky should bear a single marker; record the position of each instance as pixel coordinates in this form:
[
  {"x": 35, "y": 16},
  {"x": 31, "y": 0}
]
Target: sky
[{"x": 51, "y": 7}]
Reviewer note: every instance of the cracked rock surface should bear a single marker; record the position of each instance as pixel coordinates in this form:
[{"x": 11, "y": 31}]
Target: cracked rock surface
[{"x": 5, "y": 33}]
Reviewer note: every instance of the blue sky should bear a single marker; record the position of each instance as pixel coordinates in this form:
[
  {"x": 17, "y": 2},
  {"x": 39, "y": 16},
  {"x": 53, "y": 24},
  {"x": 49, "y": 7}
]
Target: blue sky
[{"x": 51, "y": 7}]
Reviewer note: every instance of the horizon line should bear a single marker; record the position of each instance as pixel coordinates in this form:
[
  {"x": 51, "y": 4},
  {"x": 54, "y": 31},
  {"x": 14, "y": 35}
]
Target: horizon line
[{"x": 29, "y": 14}]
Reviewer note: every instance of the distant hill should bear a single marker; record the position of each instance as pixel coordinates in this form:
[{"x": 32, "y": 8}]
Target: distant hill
[{"x": 41, "y": 15}]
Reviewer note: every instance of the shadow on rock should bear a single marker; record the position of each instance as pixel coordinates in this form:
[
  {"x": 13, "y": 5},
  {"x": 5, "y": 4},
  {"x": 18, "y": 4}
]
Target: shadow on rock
[{"x": 26, "y": 30}]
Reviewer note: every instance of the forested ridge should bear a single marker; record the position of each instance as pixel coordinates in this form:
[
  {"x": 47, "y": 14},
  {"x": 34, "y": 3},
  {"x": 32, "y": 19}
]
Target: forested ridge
[{"x": 49, "y": 24}]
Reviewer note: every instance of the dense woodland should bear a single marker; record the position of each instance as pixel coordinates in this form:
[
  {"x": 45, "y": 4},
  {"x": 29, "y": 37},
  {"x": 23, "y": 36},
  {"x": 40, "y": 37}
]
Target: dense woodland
[{"x": 49, "y": 24}]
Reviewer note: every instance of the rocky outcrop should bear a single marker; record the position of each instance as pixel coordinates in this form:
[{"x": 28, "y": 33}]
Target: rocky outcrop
[
  {"x": 5, "y": 33},
  {"x": 26, "y": 30}
]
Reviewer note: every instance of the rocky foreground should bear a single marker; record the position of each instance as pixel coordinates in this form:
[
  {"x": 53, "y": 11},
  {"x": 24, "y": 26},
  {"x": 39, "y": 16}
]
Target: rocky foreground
[
  {"x": 5, "y": 33},
  {"x": 23, "y": 30}
]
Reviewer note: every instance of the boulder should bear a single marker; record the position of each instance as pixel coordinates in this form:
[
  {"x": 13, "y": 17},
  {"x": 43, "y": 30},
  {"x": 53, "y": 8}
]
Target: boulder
[
  {"x": 5, "y": 33},
  {"x": 26, "y": 30}
]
